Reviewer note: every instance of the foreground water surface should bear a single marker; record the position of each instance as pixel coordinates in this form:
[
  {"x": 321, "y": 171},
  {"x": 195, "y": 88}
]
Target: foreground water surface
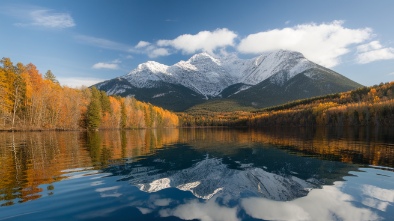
[{"x": 198, "y": 174}]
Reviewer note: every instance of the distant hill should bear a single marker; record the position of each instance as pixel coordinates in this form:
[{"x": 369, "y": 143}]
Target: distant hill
[{"x": 366, "y": 106}]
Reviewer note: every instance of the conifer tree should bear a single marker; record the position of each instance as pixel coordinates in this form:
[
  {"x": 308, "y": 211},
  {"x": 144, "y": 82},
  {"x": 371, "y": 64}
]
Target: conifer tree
[
  {"x": 50, "y": 76},
  {"x": 94, "y": 110},
  {"x": 93, "y": 115},
  {"x": 123, "y": 116},
  {"x": 105, "y": 103}
]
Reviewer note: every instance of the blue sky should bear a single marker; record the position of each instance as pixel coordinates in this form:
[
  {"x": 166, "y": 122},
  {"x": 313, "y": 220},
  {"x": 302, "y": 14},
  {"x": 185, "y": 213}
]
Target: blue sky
[{"x": 84, "y": 42}]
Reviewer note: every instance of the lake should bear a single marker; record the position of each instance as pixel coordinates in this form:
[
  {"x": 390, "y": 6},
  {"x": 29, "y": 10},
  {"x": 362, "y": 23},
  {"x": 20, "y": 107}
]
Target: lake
[{"x": 198, "y": 174}]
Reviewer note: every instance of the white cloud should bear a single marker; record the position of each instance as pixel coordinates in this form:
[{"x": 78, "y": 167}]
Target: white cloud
[
  {"x": 38, "y": 16},
  {"x": 373, "y": 45},
  {"x": 203, "y": 41},
  {"x": 79, "y": 82},
  {"x": 102, "y": 65},
  {"x": 103, "y": 43},
  {"x": 116, "y": 61},
  {"x": 49, "y": 19},
  {"x": 392, "y": 73},
  {"x": 323, "y": 43},
  {"x": 376, "y": 55},
  {"x": 373, "y": 51},
  {"x": 142, "y": 44},
  {"x": 157, "y": 52}
]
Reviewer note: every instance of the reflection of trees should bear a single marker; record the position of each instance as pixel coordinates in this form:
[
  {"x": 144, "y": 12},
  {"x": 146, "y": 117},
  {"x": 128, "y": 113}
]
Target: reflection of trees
[
  {"x": 356, "y": 145},
  {"x": 261, "y": 149},
  {"x": 94, "y": 146},
  {"x": 113, "y": 146},
  {"x": 30, "y": 163}
]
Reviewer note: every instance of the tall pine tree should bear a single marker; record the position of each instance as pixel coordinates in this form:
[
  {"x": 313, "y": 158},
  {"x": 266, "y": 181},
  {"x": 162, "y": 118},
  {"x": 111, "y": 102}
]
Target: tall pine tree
[
  {"x": 50, "y": 76},
  {"x": 94, "y": 110},
  {"x": 123, "y": 116}
]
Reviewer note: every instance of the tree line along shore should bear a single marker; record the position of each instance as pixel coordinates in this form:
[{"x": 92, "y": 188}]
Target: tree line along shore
[{"x": 32, "y": 101}]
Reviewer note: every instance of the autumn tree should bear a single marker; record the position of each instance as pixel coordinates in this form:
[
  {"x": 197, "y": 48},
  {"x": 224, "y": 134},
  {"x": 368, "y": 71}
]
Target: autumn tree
[{"x": 30, "y": 101}]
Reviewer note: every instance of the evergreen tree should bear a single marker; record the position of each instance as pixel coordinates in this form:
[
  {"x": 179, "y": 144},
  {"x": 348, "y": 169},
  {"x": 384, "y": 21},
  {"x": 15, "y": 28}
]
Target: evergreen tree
[
  {"x": 94, "y": 114},
  {"x": 94, "y": 110},
  {"x": 105, "y": 103},
  {"x": 123, "y": 116},
  {"x": 50, "y": 76}
]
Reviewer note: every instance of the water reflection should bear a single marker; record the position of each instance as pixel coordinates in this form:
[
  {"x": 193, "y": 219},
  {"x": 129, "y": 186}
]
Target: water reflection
[
  {"x": 328, "y": 203},
  {"x": 205, "y": 174},
  {"x": 31, "y": 162}
]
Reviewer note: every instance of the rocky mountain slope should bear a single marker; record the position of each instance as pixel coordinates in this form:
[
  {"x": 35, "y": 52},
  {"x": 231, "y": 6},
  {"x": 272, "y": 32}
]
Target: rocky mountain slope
[{"x": 269, "y": 79}]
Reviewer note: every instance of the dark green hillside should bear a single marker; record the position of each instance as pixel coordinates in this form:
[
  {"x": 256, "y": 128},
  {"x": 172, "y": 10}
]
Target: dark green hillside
[
  {"x": 169, "y": 96},
  {"x": 233, "y": 89},
  {"x": 220, "y": 105},
  {"x": 267, "y": 94}
]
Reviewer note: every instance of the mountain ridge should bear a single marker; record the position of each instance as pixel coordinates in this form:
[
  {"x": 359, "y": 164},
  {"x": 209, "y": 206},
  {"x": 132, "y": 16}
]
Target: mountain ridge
[{"x": 204, "y": 77}]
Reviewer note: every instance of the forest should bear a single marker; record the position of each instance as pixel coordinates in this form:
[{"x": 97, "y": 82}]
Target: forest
[
  {"x": 30, "y": 101},
  {"x": 366, "y": 106}
]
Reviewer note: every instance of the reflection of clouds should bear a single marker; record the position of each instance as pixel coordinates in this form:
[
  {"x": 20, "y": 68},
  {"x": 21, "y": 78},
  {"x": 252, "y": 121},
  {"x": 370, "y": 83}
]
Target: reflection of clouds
[
  {"x": 144, "y": 210},
  {"x": 328, "y": 203},
  {"x": 380, "y": 205},
  {"x": 76, "y": 169},
  {"x": 96, "y": 183},
  {"x": 378, "y": 198},
  {"x": 109, "y": 191},
  {"x": 207, "y": 211},
  {"x": 274, "y": 210},
  {"x": 80, "y": 174},
  {"x": 162, "y": 202},
  {"x": 100, "y": 213},
  {"x": 153, "y": 203},
  {"x": 378, "y": 193},
  {"x": 100, "y": 175}
]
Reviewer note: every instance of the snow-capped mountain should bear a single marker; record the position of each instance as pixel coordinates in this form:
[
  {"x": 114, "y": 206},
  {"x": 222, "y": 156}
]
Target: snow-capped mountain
[
  {"x": 210, "y": 176},
  {"x": 209, "y": 76},
  {"x": 204, "y": 76}
]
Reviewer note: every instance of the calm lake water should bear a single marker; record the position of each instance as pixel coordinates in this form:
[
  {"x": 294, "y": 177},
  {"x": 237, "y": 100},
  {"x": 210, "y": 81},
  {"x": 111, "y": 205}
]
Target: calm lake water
[{"x": 198, "y": 174}]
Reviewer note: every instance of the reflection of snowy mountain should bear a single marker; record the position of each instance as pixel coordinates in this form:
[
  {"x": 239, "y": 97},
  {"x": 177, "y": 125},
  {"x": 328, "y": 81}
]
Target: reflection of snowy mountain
[{"x": 210, "y": 176}]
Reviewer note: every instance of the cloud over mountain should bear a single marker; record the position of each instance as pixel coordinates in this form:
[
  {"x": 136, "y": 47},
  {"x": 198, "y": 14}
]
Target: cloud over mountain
[
  {"x": 322, "y": 43},
  {"x": 207, "y": 41}
]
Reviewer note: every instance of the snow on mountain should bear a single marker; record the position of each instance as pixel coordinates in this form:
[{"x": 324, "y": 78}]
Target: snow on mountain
[
  {"x": 208, "y": 75},
  {"x": 289, "y": 63},
  {"x": 210, "y": 176},
  {"x": 147, "y": 73}
]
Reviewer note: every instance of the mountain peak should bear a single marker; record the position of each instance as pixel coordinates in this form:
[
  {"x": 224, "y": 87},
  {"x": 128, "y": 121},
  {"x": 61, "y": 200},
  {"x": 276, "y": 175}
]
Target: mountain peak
[
  {"x": 203, "y": 57},
  {"x": 206, "y": 76},
  {"x": 282, "y": 54},
  {"x": 152, "y": 66}
]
